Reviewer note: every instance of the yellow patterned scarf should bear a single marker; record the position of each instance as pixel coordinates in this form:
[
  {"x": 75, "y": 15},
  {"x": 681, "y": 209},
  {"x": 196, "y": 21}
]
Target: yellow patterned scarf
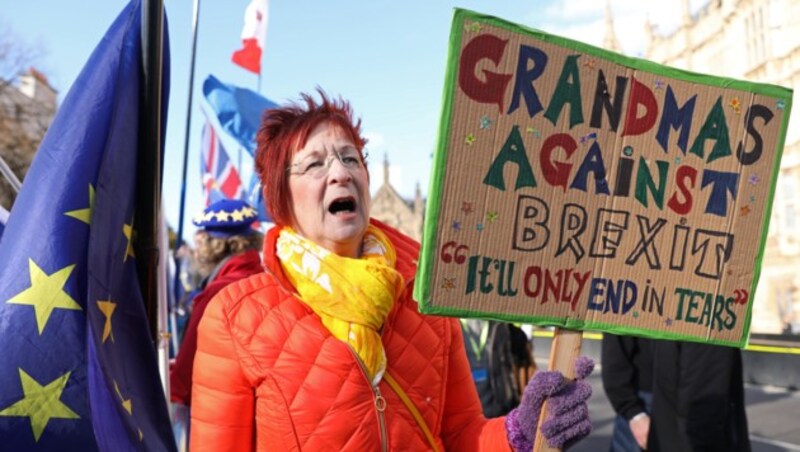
[{"x": 353, "y": 297}]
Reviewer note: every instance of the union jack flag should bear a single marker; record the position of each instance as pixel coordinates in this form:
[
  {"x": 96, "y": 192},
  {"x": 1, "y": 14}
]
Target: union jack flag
[{"x": 220, "y": 178}]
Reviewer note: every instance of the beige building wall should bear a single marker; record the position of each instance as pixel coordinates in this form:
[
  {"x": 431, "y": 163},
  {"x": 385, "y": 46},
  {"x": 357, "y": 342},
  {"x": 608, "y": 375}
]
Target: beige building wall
[
  {"x": 757, "y": 40},
  {"x": 391, "y": 208},
  {"x": 26, "y": 111}
]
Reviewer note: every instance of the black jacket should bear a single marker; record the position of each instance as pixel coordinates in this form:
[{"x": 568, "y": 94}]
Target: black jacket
[
  {"x": 627, "y": 368},
  {"x": 698, "y": 399}
]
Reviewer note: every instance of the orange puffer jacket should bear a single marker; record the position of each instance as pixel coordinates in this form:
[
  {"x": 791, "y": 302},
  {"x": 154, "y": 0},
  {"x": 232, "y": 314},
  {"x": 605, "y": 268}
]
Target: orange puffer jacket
[{"x": 268, "y": 375}]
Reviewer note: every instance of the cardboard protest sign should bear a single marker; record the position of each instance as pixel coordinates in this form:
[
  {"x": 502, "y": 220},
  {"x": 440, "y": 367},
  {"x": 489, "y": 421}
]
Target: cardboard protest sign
[{"x": 580, "y": 188}]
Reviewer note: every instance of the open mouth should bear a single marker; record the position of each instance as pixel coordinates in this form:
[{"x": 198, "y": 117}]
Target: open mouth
[{"x": 342, "y": 206}]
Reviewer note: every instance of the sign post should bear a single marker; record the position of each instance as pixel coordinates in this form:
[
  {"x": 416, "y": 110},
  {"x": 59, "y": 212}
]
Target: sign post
[{"x": 563, "y": 352}]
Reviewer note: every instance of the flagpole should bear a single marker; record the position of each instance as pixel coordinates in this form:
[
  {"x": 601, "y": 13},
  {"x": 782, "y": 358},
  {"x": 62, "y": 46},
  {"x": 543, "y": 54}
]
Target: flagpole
[
  {"x": 258, "y": 90},
  {"x": 9, "y": 175},
  {"x": 148, "y": 196},
  {"x": 182, "y": 208},
  {"x": 195, "y": 18}
]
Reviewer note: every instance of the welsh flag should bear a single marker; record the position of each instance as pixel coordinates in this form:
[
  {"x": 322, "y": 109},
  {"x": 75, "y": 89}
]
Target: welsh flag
[{"x": 254, "y": 36}]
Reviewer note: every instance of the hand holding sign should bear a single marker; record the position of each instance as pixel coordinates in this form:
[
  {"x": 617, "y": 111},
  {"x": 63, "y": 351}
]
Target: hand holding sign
[{"x": 567, "y": 420}]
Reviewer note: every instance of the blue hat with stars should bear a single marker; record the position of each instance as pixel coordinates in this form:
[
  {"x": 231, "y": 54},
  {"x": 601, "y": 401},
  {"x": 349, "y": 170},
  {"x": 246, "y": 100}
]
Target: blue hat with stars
[{"x": 226, "y": 218}]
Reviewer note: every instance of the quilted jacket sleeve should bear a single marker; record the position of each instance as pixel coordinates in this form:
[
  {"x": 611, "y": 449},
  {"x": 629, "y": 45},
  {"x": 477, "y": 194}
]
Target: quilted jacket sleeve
[
  {"x": 223, "y": 400},
  {"x": 463, "y": 424}
]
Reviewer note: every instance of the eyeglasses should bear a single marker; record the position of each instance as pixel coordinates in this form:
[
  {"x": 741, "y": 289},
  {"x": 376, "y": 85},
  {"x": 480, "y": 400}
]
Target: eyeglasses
[{"x": 317, "y": 166}]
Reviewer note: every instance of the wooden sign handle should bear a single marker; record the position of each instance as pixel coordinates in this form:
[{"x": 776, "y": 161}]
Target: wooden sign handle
[{"x": 563, "y": 353}]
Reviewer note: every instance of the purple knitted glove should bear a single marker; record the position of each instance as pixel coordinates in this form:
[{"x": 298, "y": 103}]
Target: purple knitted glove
[{"x": 568, "y": 415}]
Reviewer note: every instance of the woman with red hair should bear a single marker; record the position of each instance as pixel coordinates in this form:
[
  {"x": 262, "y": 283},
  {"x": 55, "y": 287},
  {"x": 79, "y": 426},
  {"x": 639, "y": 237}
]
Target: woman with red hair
[{"x": 326, "y": 350}]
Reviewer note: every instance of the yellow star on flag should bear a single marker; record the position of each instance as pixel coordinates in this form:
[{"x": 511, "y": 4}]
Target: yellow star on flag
[
  {"x": 107, "y": 308},
  {"x": 84, "y": 215},
  {"x": 127, "y": 229},
  {"x": 237, "y": 215},
  {"x": 127, "y": 404},
  {"x": 41, "y": 403},
  {"x": 46, "y": 293}
]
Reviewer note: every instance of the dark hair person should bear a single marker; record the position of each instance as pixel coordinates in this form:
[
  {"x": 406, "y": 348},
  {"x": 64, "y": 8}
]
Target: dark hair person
[{"x": 326, "y": 349}]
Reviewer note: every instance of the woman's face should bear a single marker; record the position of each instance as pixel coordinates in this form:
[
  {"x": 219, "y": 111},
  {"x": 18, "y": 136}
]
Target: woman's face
[{"x": 330, "y": 191}]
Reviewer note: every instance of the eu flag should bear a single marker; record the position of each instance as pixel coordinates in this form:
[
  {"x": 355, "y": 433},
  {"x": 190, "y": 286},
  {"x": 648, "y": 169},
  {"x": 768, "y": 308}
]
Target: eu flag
[{"x": 78, "y": 370}]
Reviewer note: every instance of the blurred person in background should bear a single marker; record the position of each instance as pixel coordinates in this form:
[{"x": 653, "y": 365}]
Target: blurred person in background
[
  {"x": 627, "y": 376},
  {"x": 522, "y": 354},
  {"x": 489, "y": 352},
  {"x": 226, "y": 250},
  {"x": 698, "y": 398}
]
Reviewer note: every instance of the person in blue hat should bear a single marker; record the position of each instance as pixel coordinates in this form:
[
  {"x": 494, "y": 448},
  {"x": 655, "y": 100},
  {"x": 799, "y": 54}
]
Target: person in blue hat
[{"x": 226, "y": 250}]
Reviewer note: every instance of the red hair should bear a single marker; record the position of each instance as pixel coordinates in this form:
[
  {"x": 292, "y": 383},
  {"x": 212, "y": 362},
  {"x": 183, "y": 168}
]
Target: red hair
[{"x": 283, "y": 131}]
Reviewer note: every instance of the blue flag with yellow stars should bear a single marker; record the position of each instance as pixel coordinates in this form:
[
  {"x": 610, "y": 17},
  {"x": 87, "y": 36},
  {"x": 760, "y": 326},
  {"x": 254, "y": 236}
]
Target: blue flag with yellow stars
[{"x": 78, "y": 370}]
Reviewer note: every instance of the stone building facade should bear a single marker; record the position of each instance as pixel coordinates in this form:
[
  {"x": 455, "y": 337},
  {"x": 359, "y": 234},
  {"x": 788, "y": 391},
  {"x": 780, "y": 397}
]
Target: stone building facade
[
  {"x": 756, "y": 40},
  {"x": 26, "y": 111},
  {"x": 391, "y": 208}
]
